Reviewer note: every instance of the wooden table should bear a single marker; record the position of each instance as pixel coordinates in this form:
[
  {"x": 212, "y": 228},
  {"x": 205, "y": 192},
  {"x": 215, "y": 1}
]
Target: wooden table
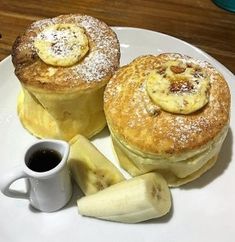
[{"x": 200, "y": 22}]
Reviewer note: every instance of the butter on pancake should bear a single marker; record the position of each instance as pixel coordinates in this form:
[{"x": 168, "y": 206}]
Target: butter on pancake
[
  {"x": 179, "y": 88},
  {"x": 153, "y": 130},
  {"x": 61, "y": 44},
  {"x": 63, "y": 65}
]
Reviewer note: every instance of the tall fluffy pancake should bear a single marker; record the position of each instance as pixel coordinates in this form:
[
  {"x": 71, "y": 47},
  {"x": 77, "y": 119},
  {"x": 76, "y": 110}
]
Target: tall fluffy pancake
[
  {"x": 63, "y": 65},
  {"x": 168, "y": 113}
]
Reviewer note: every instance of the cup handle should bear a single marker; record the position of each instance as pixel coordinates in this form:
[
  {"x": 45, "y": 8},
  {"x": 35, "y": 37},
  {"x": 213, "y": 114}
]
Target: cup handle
[{"x": 8, "y": 179}]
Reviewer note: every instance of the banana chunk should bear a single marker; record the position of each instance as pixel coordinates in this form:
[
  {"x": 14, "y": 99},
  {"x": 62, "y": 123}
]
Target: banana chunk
[
  {"x": 61, "y": 44},
  {"x": 91, "y": 170},
  {"x": 178, "y": 88},
  {"x": 131, "y": 201}
]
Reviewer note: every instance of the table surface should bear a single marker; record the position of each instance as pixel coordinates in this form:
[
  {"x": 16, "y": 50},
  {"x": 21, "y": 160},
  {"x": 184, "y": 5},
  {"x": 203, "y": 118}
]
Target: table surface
[{"x": 200, "y": 22}]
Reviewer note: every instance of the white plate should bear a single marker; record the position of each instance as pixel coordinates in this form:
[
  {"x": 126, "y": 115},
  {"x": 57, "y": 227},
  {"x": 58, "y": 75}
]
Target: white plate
[{"x": 202, "y": 211}]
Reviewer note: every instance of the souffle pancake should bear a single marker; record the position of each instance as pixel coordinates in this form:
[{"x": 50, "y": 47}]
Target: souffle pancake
[
  {"x": 167, "y": 113},
  {"x": 63, "y": 65}
]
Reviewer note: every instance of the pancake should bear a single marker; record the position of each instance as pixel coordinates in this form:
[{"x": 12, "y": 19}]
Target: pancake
[
  {"x": 167, "y": 113},
  {"x": 63, "y": 65}
]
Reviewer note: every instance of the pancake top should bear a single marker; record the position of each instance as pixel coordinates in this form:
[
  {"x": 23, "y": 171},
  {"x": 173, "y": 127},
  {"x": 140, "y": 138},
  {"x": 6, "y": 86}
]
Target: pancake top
[
  {"x": 94, "y": 68},
  {"x": 138, "y": 121}
]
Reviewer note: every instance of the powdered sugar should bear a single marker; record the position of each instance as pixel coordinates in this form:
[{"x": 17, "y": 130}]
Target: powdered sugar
[
  {"x": 94, "y": 66},
  {"x": 185, "y": 130},
  {"x": 40, "y": 24}
]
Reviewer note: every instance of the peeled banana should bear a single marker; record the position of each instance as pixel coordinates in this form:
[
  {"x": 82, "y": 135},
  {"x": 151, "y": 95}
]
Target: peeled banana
[
  {"x": 178, "y": 88},
  {"x": 91, "y": 170},
  {"x": 61, "y": 44},
  {"x": 131, "y": 201}
]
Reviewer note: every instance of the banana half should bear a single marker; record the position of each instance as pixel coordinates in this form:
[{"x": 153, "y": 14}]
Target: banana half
[
  {"x": 61, "y": 44},
  {"x": 131, "y": 201},
  {"x": 178, "y": 88},
  {"x": 91, "y": 170}
]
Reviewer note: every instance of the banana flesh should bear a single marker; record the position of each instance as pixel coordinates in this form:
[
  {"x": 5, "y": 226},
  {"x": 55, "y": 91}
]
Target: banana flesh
[
  {"x": 131, "y": 201},
  {"x": 61, "y": 44},
  {"x": 178, "y": 88},
  {"x": 91, "y": 170}
]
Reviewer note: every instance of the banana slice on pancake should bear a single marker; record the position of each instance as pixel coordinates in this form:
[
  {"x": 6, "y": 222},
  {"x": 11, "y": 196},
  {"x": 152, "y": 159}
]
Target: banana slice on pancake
[
  {"x": 179, "y": 88},
  {"x": 61, "y": 44}
]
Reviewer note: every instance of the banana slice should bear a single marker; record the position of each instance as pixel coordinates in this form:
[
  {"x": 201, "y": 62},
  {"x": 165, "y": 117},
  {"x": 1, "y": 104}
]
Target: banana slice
[
  {"x": 61, "y": 44},
  {"x": 91, "y": 170},
  {"x": 178, "y": 88},
  {"x": 131, "y": 201}
]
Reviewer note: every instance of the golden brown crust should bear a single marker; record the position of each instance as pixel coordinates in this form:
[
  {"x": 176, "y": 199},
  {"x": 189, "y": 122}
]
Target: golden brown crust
[
  {"x": 93, "y": 71},
  {"x": 137, "y": 122}
]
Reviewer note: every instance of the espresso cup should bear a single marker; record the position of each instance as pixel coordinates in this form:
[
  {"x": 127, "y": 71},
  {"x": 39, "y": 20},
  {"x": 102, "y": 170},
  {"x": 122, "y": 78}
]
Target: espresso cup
[{"x": 47, "y": 176}]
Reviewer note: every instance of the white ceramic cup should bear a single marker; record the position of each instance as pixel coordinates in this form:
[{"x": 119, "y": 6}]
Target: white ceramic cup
[{"x": 47, "y": 191}]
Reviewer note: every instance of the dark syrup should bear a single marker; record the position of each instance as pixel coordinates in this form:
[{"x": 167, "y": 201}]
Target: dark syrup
[{"x": 44, "y": 160}]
